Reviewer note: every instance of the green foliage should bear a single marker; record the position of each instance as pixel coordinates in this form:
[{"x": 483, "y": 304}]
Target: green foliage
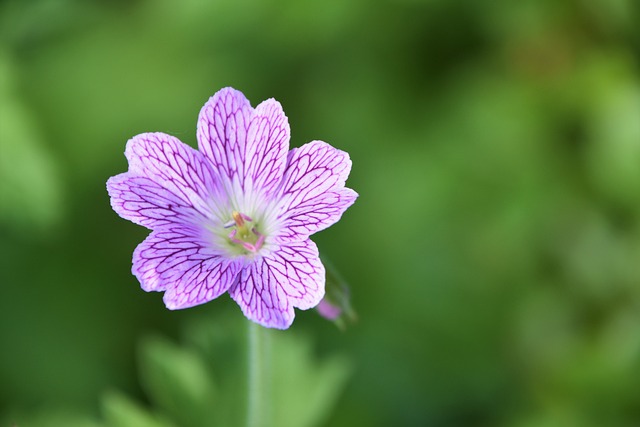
[
  {"x": 184, "y": 389},
  {"x": 121, "y": 411},
  {"x": 53, "y": 418},
  {"x": 30, "y": 185},
  {"x": 183, "y": 385},
  {"x": 177, "y": 380},
  {"x": 303, "y": 389}
]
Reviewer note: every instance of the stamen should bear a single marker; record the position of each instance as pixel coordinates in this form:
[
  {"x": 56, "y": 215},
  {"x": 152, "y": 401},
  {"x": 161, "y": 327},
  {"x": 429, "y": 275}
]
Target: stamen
[
  {"x": 238, "y": 218},
  {"x": 248, "y": 246},
  {"x": 241, "y": 234},
  {"x": 260, "y": 240}
]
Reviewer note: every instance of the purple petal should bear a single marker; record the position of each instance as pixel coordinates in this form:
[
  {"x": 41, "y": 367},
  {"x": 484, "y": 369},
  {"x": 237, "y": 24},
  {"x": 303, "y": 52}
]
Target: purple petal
[
  {"x": 184, "y": 175},
  {"x": 316, "y": 214},
  {"x": 146, "y": 203},
  {"x": 269, "y": 289},
  {"x": 222, "y": 133},
  {"x": 267, "y": 146},
  {"x": 313, "y": 193},
  {"x": 176, "y": 259},
  {"x": 247, "y": 146}
]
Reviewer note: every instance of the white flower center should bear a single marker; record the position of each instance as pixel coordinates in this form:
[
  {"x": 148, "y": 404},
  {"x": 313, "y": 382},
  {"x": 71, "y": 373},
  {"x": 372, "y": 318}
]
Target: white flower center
[{"x": 244, "y": 233}]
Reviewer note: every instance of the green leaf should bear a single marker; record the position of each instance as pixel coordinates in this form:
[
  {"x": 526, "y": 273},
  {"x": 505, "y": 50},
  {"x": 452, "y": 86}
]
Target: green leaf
[
  {"x": 177, "y": 381},
  {"x": 120, "y": 411},
  {"x": 304, "y": 390},
  {"x": 221, "y": 341}
]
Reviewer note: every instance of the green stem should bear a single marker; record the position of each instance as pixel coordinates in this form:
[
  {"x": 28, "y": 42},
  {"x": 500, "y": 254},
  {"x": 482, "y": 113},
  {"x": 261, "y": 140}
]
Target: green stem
[{"x": 259, "y": 359}]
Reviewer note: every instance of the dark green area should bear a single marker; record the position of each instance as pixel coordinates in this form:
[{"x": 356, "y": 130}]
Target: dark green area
[{"x": 493, "y": 255}]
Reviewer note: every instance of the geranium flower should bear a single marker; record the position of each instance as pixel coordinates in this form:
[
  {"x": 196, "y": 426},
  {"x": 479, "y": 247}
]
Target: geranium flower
[{"x": 236, "y": 215}]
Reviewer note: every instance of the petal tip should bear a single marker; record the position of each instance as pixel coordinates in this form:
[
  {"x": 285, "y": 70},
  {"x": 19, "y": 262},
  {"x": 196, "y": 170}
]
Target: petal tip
[
  {"x": 172, "y": 303},
  {"x": 227, "y": 94}
]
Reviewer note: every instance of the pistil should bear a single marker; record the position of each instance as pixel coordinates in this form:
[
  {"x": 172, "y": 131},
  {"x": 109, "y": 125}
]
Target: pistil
[{"x": 244, "y": 234}]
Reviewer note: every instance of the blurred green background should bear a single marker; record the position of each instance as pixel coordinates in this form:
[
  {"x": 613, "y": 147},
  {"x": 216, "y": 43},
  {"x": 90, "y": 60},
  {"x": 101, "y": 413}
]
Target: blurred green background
[{"x": 493, "y": 255}]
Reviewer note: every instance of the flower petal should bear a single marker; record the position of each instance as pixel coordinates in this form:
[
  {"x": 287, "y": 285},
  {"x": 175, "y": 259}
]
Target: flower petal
[
  {"x": 248, "y": 146},
  {"x": 222, "y": 133},
  {"x": 313, "y": 195},
  {"x": 142, "y": 201},
  {"x": 180, "y": 170},
  {"x": 269, "y": 289},
  {"x": 267, "y": 146},
  {"x": 316, "y": 214},
  {"x": 176, "y": 259}
]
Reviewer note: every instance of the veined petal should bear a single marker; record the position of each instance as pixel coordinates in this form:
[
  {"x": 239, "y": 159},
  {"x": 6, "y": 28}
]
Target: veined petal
[
  {"x": 222, "y": 134},
  {"x": 177, "y": 168},
  {"x": 146, "y": 203},
  {"x": 315, "y": 214},
  {"x": 269, "y": 289},
  {"x": 176, "y": 260},
  {"x": 249, "y": 147},
  {"x": 267, "y": 146},
  {"x": 313, "y": 195}
]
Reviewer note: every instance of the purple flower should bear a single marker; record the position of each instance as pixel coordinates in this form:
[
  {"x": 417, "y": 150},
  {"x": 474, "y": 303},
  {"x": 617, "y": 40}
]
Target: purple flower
[
  {"x": 328, "y": 309},
  {"x": 236, "y": 215},
  {"x": 336, "y": 304}
]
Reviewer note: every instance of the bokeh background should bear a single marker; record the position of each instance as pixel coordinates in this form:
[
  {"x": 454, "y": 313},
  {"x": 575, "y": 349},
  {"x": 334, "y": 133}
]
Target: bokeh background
[{"x": 493, "y": 255}]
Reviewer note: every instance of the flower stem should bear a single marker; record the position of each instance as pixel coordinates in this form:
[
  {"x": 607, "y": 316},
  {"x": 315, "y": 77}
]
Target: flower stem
[{"x": 259, "y": 359}]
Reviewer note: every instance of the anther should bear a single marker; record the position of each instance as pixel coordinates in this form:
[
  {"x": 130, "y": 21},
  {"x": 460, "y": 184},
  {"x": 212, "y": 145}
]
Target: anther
[
  {"x": 238, "y": 218},
  {"x": 241, "y": 233}
]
